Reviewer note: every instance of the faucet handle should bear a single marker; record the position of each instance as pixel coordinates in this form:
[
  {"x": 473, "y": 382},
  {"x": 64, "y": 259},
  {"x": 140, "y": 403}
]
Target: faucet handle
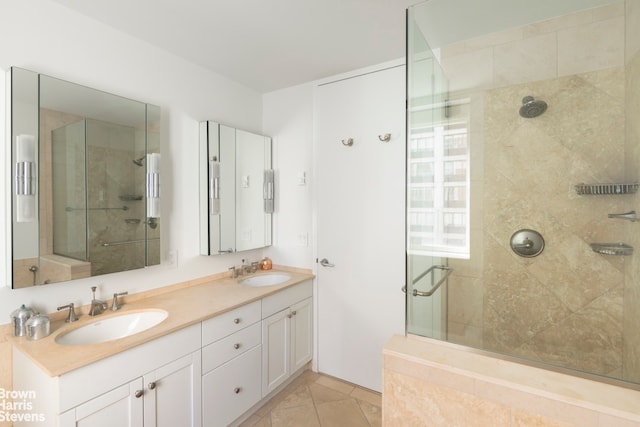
[
  {"x": 72, "y": 313},
  {"x": 114, "y": 305}
]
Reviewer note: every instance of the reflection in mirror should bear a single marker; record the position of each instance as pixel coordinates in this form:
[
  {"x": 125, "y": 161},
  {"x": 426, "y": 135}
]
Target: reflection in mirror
[
  {"x": 91, "y": 164},
  {"x": 236, "y": 190}
]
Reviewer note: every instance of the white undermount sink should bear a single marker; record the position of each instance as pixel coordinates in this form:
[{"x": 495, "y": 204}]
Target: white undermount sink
[
  {"x": 112, "y": 328},
  {"x": 265, "y": 280}
]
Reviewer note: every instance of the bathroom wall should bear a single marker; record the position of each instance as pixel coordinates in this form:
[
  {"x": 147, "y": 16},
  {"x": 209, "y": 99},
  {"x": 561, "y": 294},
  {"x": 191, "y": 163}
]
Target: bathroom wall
[
  {"x": 564, "y": 306},
  {"x": 109, "y": 60}
]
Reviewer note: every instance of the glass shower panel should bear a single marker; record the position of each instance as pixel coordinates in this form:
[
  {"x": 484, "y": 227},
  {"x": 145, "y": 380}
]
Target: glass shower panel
[
  {"x": 69, "y": 219},
  {"x": 426, "y": 191}
]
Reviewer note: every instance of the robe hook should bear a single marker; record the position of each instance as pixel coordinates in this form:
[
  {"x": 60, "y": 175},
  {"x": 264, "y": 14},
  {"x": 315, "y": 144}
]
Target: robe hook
[
  {"x": 347, "y": 142},
  {"x": 385, "y": 138}
]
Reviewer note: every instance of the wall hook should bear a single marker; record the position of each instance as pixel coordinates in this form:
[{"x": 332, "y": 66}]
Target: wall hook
[
  {"x": 347, "y": 142},
  {"x": 385, "y": 138}
]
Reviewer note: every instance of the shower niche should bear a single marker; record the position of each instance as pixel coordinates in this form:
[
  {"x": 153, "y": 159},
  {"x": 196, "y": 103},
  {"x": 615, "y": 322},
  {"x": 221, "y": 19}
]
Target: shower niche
[{"x": 80, "y": 202}]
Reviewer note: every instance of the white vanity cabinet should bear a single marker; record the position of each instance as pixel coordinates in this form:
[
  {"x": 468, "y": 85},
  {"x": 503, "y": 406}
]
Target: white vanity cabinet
[
  {"x": 287, "y": 330},
  {"x": 231, "y": 364},
  {"x": 152, "y": 385}
]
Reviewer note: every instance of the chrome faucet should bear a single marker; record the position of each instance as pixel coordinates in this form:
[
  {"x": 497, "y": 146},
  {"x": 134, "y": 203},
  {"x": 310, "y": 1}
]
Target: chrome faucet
[
  {"x": 97, "y": 306},
  {"x": 114, "y": 304},
  {"x": 72, "y": 313}
]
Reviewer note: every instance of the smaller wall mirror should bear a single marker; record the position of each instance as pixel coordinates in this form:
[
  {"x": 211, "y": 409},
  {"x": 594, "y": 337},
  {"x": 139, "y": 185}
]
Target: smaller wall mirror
[
  {"x": 236, "y": 189},
  {"x": 85, "y": 180}
]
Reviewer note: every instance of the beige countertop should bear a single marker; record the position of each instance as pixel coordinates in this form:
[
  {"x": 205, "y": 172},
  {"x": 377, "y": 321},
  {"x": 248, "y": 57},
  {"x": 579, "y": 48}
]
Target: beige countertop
[{"x": 187, "y": 303}]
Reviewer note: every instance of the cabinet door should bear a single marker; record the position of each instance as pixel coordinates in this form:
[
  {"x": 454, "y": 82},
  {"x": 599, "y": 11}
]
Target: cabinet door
[
  {"x": 276, "y": 339},
  {"x": 301, "y": 333},
  {"x": 231, "y": 389},
  {"x": 119, "y": 407},
  {"x": 172, "y": 394}
]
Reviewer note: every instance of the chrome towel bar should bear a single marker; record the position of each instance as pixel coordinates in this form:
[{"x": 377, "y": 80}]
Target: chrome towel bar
[{"x": 434, "y": 288}]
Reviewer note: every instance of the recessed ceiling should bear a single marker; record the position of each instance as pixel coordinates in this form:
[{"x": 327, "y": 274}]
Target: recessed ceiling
[{"x": 263, "y": 44}]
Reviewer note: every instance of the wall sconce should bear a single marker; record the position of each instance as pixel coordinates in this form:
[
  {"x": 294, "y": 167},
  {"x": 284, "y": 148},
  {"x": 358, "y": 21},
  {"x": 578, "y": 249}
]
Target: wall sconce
[
  {"x": 268, "y": 191},
  {"x": 153, "y": 185},
  {"x": 214, "y": 187},
  {"x": 25, "y": 178}
]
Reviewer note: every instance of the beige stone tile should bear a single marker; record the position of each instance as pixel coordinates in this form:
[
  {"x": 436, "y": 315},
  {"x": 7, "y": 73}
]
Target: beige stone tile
[
  {"x": 410, "y": 402},
  {"x": 322, "y": 394},
  {"x": 559, "y": 23},
  {"x": 346, "y": 413},
  {"x": 494, "y": 39},
  {"x": 335, "y": 384},
  {"x": 300, "y": 396},
  {"x": 590, "y": 47},
  {"x": 373, "y": 413},
  {"x": 471, "y": 70},
  {"x": 257, "y": 421},
  {"x": 372, "y": 397},
  {"x": 526, "y": 60},
  {"x": 609, "y": 11},
  {"x": 301, "y": 416},
  {"x": 524, "y": 419}
]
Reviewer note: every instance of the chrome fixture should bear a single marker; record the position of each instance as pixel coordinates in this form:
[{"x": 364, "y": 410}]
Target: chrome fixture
[
  {"x": 604, "y": 189},
  {"x": 527, "y": 243},
  {"x": 268, "y": 190},
  {"x": 153, "y": 185},
  {"x": 617, "y": 249},
  {"x": 532, "y": 108},
  {"x": 434, "y": 287},
  {"x": 325, "y": 263},
  {"x": 347, "y": 142},
  {"x": 235, "y": 272},
  {"x": 139, "y": 160},
  {"x": 385, "y": 138},
  {"x": 97, "y": 306},
  {"x": 71, "y": 317},
  {"x": 25, "y": 178},
  {"x": 114, "y": 304},
  {"x": 629, "y": 216}
]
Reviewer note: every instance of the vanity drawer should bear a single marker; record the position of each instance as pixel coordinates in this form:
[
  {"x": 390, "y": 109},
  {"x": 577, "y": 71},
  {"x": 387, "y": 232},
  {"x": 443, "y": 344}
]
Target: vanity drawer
[
  {"x": 229, "y": 347},
  {"x": 232, "y": 321},
  {"x": 232, "y": 389}
]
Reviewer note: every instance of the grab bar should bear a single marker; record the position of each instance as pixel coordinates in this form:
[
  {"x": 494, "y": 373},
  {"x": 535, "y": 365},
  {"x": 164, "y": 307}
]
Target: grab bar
[
  {"x": 434, "y": 288},
  {"x": 126, "y": 242},
  {"x": 70, "y": 209}
]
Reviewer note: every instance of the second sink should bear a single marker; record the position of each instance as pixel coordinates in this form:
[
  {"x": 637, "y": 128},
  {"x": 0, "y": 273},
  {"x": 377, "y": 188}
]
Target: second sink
[
  {"x": 265, "y": 279},
  {"x": 112, "y": 328}
]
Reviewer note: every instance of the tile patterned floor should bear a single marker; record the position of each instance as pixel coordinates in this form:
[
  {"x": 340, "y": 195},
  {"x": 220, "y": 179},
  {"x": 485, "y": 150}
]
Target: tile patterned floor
[{"x": 315, "y": 400}]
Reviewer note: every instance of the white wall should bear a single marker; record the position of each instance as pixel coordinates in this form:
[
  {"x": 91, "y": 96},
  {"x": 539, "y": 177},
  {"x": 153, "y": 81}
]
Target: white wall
[
  {"x": 288, "y": 118},
  {"x": 45, "y": 37}
]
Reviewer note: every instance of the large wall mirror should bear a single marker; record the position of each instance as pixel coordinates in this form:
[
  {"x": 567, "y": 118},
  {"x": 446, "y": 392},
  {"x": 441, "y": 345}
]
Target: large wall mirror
[
  {"x": 85, "y": 180},
  {"x": 236, "y": 189}
]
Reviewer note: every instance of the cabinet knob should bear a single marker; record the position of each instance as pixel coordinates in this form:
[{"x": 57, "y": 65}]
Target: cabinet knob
[
  {"x": 152, "y": 385},
  {"x": 289, "y": 315},
  {"x": 236, "y": 346},
  {"x": 236, "y": 390},
  {"x": 236, "y": 320},
  {"x": 138, "y": 394},
  {"x": 294, "y": 312}
]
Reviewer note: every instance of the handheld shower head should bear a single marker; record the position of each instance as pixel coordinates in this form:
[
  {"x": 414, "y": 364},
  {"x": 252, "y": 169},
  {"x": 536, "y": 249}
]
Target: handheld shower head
[{"x": 139, "y": 160}]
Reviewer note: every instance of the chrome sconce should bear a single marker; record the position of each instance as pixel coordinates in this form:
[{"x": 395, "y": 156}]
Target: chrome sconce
[
  {"x": 153, "y": 185},
  {"x": 25, "y": 178},
  {"x": 268, "y": 190},
  {"x": 214, "y": 187}
]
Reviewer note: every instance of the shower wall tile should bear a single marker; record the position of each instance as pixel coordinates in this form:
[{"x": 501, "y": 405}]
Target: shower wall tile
[
  {"x": 457, "y": 70},
  {"x": 591, "y": 47},
  {"x": 559, "y": 23},
  {"x": 553, "y": 306},
  {"x": 632, "y": 29},
  {"x": 530, "y": 59}
]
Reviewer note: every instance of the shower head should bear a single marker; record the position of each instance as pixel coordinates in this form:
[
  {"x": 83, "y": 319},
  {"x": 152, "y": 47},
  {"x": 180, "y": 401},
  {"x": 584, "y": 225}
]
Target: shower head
[
  {"x": 139, "y": 160},
  {"x": 532, "y": 108}
]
